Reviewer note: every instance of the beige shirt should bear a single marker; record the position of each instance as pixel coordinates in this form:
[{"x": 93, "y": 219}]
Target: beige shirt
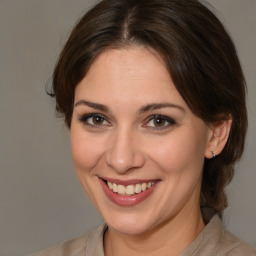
[{"x": 212, "y": 241}]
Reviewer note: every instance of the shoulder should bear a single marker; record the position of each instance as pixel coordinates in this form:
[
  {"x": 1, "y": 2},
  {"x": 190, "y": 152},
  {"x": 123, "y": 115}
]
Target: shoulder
[
  {"x": 214, "y": 240},
  {"x": 76, "y": 247},
  {"x": 68, "y": 248},
  {"x": 223, "y": 243},
  {"x": 230, "y": 245}
]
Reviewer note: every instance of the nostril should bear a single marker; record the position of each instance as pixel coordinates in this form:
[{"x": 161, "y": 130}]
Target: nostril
[{"x": 123, "y": 155}]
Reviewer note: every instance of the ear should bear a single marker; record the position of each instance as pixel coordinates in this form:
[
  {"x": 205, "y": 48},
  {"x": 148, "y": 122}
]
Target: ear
[{"x": 217, "y": 137}]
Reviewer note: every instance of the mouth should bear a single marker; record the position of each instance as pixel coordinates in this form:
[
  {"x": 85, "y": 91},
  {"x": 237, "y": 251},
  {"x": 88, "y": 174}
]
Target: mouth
[
  {"x": 128, "y": 193},
  {"x": 131, "y": 189}
]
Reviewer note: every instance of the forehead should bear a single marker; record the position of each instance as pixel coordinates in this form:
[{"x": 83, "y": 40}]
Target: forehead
[
  {"x": 128, "y": 74},
  {"x": 129, "y": 60}
]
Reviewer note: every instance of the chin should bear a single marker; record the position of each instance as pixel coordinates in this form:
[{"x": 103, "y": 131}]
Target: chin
[
  {"x": 129, "y": 224},
  {"x": 129, "y": 229}
]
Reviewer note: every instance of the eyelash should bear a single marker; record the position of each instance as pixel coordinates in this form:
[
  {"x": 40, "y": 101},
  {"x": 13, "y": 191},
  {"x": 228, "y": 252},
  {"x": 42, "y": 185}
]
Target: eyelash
[
  {"x": 167, "y": 122},
  {"x": 85, "y": 119}
]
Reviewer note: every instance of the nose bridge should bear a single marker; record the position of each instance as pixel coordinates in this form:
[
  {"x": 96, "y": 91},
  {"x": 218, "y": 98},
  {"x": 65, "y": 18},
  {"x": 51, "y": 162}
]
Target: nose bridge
[{"x": 124, "y": 152}]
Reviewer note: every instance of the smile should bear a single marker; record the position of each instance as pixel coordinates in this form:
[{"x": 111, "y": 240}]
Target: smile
[
  {"x": 130, "y": 190},
  {"x": 128, "y": 193}
]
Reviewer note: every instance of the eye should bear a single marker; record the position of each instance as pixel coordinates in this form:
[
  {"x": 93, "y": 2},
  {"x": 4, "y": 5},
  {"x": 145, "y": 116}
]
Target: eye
[
  {"x": 159, "y": 122},
  {"x": 94, "y": 120}
]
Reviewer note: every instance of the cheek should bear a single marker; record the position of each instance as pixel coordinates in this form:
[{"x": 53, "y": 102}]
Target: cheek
[
  {"x": 86, "y": 151},
  {"x": 181, "y": 151}
]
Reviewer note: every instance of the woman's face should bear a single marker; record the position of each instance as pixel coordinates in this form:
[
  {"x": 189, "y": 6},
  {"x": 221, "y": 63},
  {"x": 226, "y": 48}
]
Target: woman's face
[{"x": 138, "y": 149}]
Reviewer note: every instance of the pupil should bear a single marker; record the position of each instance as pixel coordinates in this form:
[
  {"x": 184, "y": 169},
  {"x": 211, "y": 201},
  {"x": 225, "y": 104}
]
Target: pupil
[
  {"x": 97, "y": 120},
  {"x": 159, "y": 122}
]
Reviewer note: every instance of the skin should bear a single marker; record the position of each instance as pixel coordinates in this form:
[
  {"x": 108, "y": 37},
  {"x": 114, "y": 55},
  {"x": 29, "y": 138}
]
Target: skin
[{"x": 125, "y": 143}]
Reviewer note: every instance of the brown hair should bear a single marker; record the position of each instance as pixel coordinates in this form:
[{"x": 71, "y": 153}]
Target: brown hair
[{"x": 198, "y": 53}]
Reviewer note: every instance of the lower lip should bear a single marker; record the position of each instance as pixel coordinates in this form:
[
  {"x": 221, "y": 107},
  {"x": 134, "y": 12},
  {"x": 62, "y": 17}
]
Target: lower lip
[{"x": 123, "y": 200}]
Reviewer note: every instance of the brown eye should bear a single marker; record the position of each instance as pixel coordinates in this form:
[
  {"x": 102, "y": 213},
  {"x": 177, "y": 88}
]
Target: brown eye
[
  {"x": 97, "y": 120},
  {"x": 158, "y": 122}
]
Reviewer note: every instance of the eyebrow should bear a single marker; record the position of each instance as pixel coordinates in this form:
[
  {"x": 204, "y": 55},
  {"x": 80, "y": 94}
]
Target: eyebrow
[
  {"x": 155, "y": 106},
  {"x": 143, "y": 109},
  {"x": 92, "y": 105}
]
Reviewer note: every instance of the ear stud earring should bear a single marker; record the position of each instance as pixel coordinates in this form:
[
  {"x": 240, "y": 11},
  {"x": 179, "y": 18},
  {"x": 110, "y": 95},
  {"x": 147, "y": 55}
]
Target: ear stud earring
[{"x": 213, "y": 155}]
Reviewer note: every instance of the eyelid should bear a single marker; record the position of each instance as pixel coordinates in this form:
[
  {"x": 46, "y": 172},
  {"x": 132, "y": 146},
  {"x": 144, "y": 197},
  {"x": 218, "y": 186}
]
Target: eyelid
[
  {"x": 84, "y": 118},
  {"x": 170, "y": 121}
]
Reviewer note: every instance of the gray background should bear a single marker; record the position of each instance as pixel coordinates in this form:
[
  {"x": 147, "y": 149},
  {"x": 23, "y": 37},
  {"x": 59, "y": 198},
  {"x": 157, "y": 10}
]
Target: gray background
[{"x": 41, "y": 202}]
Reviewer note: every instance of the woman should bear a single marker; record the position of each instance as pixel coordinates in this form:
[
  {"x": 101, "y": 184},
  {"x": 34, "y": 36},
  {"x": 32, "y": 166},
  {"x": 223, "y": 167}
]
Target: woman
[{"x": 154, "y": 96}]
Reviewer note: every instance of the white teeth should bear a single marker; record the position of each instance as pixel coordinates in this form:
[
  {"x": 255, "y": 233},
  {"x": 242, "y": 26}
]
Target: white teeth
[
  {"x": 121, "y": 189},
  {"x": 137, "y": 188},
  {"x": 130, "y": 189},
  {"x": 110, "y": 185},
  {"x": 114, "y": 187},
  {"x": 144, "y": 186}
]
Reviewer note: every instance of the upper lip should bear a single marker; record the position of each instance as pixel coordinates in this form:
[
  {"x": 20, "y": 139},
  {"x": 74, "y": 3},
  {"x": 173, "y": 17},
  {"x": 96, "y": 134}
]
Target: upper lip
[{"x": 128, "y": 182}]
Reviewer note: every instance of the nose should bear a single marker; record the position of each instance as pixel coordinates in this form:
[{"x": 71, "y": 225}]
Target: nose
[{"x": 124, "y": 153}]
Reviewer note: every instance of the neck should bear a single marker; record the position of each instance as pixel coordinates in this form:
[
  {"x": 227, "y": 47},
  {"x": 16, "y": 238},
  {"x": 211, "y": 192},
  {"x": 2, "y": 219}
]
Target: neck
[{"x": 169, "y": 238}]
